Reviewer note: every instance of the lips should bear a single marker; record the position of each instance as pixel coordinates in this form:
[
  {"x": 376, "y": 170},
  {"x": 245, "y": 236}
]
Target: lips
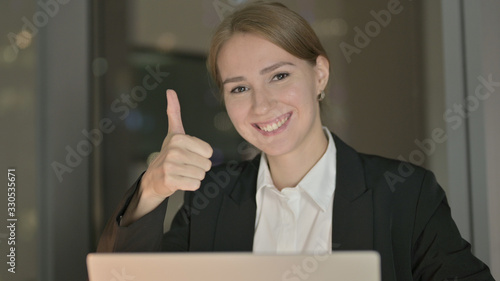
[{"x": 273, "y": 125}]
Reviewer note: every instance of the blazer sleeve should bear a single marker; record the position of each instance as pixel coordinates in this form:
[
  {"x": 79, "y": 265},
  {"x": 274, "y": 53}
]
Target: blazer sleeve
[
  {"x": 177, "y": 238},
  {"x": 439, "y": 251},
  {"x": 144, "y": 235}
]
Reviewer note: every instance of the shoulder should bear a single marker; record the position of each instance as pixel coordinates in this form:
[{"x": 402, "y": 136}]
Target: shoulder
[
  {"x": 399, "y": 184},
  {"x": 391, "y": 172},
  {"x": 400, "y": 177},
  {"x": 412, "y": 191},
  {"x": 377, "y": 171},
  {"x": 396, "y": 174}
]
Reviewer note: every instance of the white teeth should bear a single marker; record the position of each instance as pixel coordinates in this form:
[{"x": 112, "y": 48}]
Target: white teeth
[{"x": 274, "y": 126}]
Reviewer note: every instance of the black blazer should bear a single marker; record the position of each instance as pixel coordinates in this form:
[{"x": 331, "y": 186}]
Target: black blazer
[{"x": 393, "y": 207}]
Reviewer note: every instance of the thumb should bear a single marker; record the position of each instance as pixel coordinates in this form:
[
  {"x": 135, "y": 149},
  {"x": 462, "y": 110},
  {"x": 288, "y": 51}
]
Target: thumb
[{"x": 174, "y": 113}]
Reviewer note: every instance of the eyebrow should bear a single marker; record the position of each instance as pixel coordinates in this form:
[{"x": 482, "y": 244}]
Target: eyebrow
[
  {"x": 263, "y": 71},
  {"x": 275, "y": 66}
]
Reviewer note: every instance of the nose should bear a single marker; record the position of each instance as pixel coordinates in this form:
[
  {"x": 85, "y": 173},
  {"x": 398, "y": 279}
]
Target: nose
[{"x": 262, "y": 101}]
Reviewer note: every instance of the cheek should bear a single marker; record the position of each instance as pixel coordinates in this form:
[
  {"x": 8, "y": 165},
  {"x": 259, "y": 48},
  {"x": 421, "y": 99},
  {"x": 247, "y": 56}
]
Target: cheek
[
  {"x": 236, "y": 112},
  {"x": 301, "y": 96}
]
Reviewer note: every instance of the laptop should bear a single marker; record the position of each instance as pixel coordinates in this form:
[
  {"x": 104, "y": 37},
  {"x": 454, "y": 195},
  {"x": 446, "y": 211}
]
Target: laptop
[{"x": 345, "y": 266}]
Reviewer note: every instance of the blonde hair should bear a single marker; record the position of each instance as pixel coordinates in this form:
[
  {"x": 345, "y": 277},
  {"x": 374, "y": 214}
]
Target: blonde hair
[{"x": 275, "y": 23}]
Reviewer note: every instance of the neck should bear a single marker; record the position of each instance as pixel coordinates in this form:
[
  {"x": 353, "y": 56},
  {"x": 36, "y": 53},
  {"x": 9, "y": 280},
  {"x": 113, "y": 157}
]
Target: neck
[{"x": 287, "y": 170}]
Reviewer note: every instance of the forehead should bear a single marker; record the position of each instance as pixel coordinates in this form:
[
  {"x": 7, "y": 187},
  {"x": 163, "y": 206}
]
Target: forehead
[{"x": 246, "y": 51}]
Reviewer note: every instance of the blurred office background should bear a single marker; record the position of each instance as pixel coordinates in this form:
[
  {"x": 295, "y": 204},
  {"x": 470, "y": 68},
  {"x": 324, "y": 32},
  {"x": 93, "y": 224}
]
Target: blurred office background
[{"x": 82, "y": 106}]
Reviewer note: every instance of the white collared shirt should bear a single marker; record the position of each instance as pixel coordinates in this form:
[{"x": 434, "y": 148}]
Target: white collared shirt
[{"x": 296, "y": 219}]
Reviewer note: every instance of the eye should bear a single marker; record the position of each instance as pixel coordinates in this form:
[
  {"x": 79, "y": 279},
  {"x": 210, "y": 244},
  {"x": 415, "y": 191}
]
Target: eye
[
  {"x": 239, "y": 89},
  {"x": 280, "y": 76}
]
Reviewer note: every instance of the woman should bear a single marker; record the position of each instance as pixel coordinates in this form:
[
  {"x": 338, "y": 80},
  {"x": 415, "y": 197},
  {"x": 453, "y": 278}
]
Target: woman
[{"x": 272, "y": 72}]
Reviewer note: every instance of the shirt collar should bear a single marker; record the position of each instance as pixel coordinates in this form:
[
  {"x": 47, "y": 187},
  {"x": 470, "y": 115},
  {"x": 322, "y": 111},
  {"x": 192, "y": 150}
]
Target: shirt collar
[{"x": 318, "y": 183}]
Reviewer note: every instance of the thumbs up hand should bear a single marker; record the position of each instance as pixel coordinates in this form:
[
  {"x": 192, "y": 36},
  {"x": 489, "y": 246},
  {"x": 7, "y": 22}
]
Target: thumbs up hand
[
  {"x": 183, "y": 159},
  {"x": 181, "y": 164}
]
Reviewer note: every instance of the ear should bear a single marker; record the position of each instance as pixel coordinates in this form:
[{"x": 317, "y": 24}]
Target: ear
[{"x": 322, "y": 69}]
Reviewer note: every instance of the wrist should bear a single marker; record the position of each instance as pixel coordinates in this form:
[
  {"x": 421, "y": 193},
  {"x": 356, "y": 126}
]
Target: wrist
[{"x": 146, "y": 193}]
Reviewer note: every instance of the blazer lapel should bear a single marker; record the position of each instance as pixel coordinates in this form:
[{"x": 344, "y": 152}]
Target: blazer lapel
[
  {"x": 236, "y": 220},
  {"x": 352, "y": 221}
]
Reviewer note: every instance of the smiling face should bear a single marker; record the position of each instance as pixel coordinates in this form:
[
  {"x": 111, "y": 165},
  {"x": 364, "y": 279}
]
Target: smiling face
[{"x": 271, "y": 95}]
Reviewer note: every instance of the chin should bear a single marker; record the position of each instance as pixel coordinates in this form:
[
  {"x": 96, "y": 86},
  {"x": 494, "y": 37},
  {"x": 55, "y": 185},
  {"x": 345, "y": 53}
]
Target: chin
[{"x": 274, "y": 148}]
